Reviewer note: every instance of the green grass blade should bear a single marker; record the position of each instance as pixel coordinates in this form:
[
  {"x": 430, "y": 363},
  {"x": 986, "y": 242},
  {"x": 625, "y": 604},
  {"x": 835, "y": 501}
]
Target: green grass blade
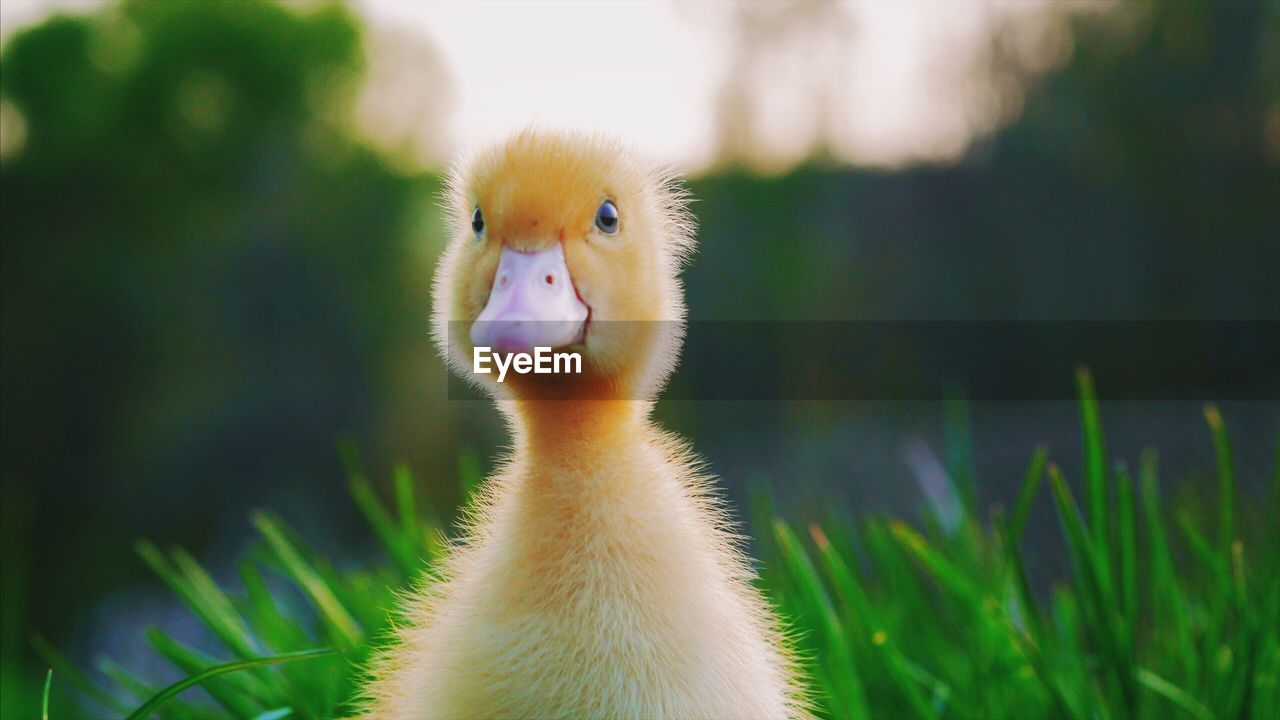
[
  {"x": 1226, "y": 481},
  {"x": 397, "y": 545},
  {"x": 1266, "y": 682},
  {"x": 406, "y": 503},
  {"x": 958, "y": 440},
  {"x": 865, "y": 621},
  {"x": 1095, "y": 465},
  {"x": 1029, "y": 611},
  {"x": 142, "y": 690},
  {"x": 1168, "y": 598},
  {"x": 469, "y": 476},
  {"x": 223, "y": 669},
  {"x": 1068, "y": 624},
  {"x": 338, "y": 619},
  {"x": 990, "y": 637},
  {"x": 215, "y": 607},
  {"x": 942, "y": 569},
  {"x": 846, "y": 586},
  {"x": 1035, "y": 651},
  {"x": 132, "y": 684},
  {"x": 1275, "y": 474},
  {"x": 1239, "y": 687},
  {"x": 841, "y": 679},
  {"x": 1271, "y": 532},
  {"x": 1203, "y": 548},
  {"x": 1128, "y": 542},
  {"x": 364, "y": 594},
  {"x": 422, "y": 524},
  {"x": 242, "y": 695},
  {"x": 402, "y": 546},
  {"x": 72, "y": 676},
  {"x": 1099, "y": 608},
  {"x": 1010, "y": 534},
  {"x": 44, "y": 698},
  {"x": 202, "y": 595},
  {"x": 1239, "y": 583},
  {"x": 892, "y": 563},
  {"x": 1174, "y": 694},
  {"x": 1027, "y": 493},
  {"x": 282, "y": 634},
  {"x": 278, "y": 632},
  {"x": 1235, "y": 687}
]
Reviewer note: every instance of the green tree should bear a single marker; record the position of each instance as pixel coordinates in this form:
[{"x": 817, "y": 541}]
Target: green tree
[{"x": 205, "y": 277}]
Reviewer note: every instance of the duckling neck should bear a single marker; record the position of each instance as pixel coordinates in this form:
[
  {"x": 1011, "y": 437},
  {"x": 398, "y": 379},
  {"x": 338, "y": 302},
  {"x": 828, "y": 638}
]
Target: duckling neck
[{"x": 557, "y": 433}]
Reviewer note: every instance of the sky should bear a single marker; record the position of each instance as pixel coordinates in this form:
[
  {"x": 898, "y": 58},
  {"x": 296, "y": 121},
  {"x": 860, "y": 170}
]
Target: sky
[{"x": 894, "y": 79}]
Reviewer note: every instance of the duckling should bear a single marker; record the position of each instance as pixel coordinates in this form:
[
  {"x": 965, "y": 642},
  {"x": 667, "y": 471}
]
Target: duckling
[{"x": 599, "y": 575}]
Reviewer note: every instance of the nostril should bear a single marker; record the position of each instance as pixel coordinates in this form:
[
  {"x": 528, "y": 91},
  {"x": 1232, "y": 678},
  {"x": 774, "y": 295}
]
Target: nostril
[
  {"x": 551, "y": 279},
  {"x": 503, "y": 279}
]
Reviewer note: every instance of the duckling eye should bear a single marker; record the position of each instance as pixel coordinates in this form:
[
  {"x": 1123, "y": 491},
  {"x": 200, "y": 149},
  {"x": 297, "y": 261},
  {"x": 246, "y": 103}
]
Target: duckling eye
[
  {"x": 477, "y": 221},
  {"x": 607, "y": 218}
]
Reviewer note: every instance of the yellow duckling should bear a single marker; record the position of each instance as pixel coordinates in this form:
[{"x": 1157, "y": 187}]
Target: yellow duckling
[{"x": 599, "y": 576}]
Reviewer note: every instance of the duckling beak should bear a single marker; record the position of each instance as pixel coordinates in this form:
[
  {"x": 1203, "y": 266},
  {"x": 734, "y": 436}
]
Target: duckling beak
[{"x": 532, "y": 304}]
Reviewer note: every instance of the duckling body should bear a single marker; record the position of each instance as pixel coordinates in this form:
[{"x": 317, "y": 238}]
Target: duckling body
[{"x": 598, "y": 577}]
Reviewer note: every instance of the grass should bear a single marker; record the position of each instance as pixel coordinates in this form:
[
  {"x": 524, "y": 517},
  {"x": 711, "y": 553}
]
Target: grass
[{"x": 1158, "y": 617}]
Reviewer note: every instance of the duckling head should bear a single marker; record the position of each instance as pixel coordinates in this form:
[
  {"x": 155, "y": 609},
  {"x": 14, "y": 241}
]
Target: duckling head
[{"x": 565, "y": 241}]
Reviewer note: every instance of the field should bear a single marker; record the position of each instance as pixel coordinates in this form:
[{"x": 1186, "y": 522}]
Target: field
[{"x": 1170, "y": 610}]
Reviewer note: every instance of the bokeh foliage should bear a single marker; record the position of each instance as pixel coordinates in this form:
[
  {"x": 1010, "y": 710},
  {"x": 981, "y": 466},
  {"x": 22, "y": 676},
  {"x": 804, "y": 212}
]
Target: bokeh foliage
[{"x": 207, "y": 275}]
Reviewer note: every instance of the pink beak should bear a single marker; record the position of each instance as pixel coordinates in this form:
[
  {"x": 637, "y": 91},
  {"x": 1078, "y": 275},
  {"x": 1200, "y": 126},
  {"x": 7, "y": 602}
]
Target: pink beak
[{"x": 532, "y": 304}]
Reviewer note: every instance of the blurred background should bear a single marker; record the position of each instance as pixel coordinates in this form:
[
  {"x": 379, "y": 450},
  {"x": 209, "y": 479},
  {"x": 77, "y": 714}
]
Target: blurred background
[{"x": 220, "y": 220}]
